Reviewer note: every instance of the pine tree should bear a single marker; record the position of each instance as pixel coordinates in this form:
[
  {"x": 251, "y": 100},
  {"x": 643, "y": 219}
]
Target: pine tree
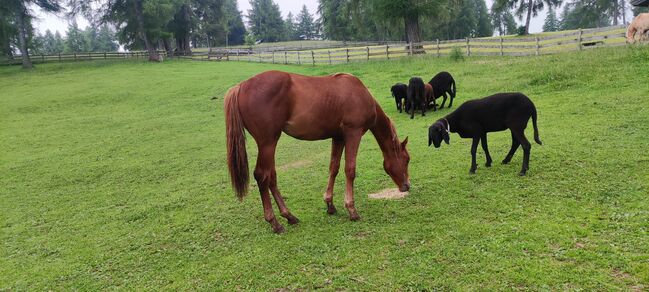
[
  {"x": 305, "y": 26},
  {"x": 290, "y": 27},
  {"x": 236, "y": 29},
  {"x": 74, "y": 41},
  {"x": 105, "y": 41},
  {"x": 266, "y": 21},
  {"x": 49, "y": 43},
  {"x": 551, "y": 21},
  {"x": 59, "y": 44}
]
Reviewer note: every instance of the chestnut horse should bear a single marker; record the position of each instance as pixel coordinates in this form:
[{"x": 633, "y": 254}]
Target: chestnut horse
[
  {"x": 337, "y": 107},
  {"x": 639, "y": 26}
]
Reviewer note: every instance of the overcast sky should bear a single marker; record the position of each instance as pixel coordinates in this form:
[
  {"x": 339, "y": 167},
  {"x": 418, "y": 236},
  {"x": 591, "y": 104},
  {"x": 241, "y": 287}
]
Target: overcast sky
[{"x": 54, "y": 23}]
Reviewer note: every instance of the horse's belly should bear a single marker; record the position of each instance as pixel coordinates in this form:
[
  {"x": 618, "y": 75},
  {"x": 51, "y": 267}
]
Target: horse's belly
[{"x": 307, "y": 129}]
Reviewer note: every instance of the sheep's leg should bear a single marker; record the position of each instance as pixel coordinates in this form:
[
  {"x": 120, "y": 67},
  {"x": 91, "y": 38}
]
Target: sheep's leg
[
  {"x": 486, "y": 149},
  {"x": 444, "y": 101},
  {"x": 474, "y": 149},
  {"x": 512, "y": 150},
  {"x": 520, "y": 135}
]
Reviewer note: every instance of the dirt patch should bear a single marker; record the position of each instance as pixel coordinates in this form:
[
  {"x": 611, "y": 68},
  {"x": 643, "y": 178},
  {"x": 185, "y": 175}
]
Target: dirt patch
[
  {"x": 388, "y": 194},
  {"x": 294, "y": 165}
]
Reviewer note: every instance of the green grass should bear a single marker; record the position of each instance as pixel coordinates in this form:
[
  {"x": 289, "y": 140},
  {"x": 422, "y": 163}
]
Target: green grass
[{"x": 114, "y": 176}]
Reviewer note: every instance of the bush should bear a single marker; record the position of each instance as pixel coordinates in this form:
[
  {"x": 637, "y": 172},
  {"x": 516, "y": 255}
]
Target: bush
[
  {"x": 521, "y": 30},
  {"x": 456, "y": 54}
]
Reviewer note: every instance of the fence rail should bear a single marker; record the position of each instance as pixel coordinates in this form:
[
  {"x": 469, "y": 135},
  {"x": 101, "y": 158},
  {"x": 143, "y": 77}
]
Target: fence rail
[{"x": 493, "y": 46}]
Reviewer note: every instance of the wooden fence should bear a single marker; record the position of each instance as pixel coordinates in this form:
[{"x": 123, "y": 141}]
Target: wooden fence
[{"x": 547, "y": 43}]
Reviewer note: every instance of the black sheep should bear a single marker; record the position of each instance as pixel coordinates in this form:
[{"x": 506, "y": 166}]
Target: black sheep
[
  {"x": 400, "y": 94},
  {"x": 416, "y": 96},
  {"x": 443, "y": 83},
  {"x": 475, "y": 118}
]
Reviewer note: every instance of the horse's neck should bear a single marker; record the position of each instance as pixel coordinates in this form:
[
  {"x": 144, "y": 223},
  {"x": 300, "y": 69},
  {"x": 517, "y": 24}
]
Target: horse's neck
[{"x": 384, "y": 133}]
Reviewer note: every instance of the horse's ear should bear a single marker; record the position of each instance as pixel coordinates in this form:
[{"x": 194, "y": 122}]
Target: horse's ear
[{"x": 404, "y": 143}]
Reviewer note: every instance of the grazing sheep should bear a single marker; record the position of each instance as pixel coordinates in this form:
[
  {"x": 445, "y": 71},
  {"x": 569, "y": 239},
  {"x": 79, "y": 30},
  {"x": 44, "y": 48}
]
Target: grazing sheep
[
  {"x": 475, "y": 118},
  {"x": 443, "y": 83},
  {"x": 400, "y": 94},
  {"x": 430, "y": 96},
  {"x": 416, "y": 96}
]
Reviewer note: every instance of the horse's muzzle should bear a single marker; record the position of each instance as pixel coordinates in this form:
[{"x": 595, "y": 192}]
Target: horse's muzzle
[{"x": 405, "y": 187}]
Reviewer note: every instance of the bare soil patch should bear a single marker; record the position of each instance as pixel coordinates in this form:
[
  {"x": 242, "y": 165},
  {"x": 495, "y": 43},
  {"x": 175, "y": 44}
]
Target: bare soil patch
[{"x": 388, "y": 194}]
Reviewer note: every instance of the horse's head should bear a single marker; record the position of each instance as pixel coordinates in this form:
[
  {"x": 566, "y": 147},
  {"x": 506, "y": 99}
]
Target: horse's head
[{"x": 397, "y": 166}]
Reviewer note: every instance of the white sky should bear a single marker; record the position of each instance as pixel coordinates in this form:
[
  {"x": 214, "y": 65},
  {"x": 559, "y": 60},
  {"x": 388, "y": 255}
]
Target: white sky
[{"x": 54, "y": 23}]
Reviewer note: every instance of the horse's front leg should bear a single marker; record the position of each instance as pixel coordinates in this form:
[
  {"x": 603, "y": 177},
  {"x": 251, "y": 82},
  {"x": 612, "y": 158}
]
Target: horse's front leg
[
  {"x": 352, "y": 141},
  {"x": 337, "y": 146}
]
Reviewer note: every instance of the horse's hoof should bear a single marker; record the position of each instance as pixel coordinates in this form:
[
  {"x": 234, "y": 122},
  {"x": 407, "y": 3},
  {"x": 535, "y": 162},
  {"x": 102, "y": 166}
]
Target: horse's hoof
[
  {"x": 331, "y": 209},
  {"x": 278, "y": 228},
  {"x": 488, "y": 164},
  {"x": 472, "y": 171},
  {"x": 292, "y": 220},
  {"x": 522, "y": 173},
  {"x": 506, "y": 161},
  {"x": 354, "y": 217}
]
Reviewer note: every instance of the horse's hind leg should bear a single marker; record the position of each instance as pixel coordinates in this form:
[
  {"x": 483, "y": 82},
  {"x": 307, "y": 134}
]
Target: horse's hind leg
[
  {"x": 280, "y": 201},
  {"x": 337, "y": 146},
  {"x": 264, "y": 174}
]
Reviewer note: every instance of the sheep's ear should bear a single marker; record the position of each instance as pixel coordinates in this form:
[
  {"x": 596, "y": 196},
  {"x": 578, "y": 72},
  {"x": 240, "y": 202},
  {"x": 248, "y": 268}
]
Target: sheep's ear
[
  {"x": 446, "y": 137},
  {"x": 404, "y": 143}
]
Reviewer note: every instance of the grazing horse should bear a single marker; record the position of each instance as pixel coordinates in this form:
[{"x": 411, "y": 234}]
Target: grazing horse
[
  {"x": 337, "y": 107},
  {"x": 639, "y": 25}
]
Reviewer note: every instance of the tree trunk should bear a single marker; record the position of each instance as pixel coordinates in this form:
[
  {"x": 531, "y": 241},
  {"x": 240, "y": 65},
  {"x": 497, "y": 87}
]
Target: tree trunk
[
  {"x": 168, "y": 47},
  {"x": 412, "y": 28},
  {"x": 153, "y": 54},
  {"x": 22, "y": 37},
  {"x": 529, "y": 16},
  {"x": 616, "y": 12},
  {"x": 623, "y": 4},
  {"x": 8, "y": 50}
]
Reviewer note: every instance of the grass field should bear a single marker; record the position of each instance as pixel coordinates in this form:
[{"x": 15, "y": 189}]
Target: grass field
[{"x": 114, "y": 176}]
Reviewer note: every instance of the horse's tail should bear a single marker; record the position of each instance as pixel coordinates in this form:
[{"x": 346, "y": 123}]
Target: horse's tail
[
  {"x": 536, "y": 129},
  {"x": 453, "y": 89},
  {"x": 236, "y": 143}
]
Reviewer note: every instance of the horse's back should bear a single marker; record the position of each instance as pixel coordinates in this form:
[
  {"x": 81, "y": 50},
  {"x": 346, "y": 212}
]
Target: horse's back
[{"x": 305, "y": 107}]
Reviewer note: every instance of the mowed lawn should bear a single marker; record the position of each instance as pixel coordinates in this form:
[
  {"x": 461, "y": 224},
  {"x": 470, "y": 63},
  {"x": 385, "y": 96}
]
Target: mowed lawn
[{"x": 113, "y": 175}]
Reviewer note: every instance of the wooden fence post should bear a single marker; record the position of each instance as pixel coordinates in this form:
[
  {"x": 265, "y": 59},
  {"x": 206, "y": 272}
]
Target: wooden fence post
[
  {"x": 502, "y": 53},
  {"x": 59, "y": 57},
  {"x": 410, "y": 48},
  {"x": 43, "y": 57},
  {"x": 347, "y": 52},
  {"x": 468, "y": 47},
  {"x": 273, "y": 57},
  {"x": 285, "y": 57},
  {"x": 387, "y": 51},
  {"x": 579, "y": 40},
  {"x": 368, "y": 53},
  {"x": 299, "y": 61},
  {"x": 537, "y": 46},
  {"x": 89, "y": 56},
  {"x": 438, "y": 52},
  {"x": 329, "y": 51},
  {"x": 104, "y": 55},
  {"x": 313, "y": 58},
  {"x": 227, "y": 55},
  {"x": 259, "y": 57}
]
